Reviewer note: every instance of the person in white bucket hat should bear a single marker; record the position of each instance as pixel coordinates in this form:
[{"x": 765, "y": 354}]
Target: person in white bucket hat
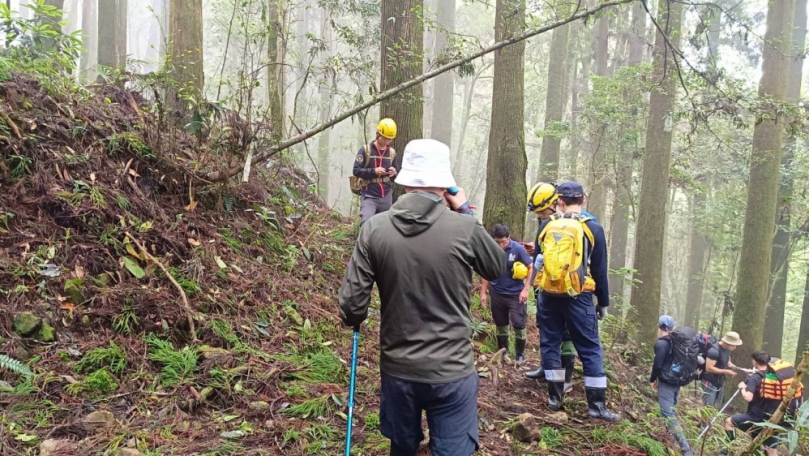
[{"x": 421, "y": 255}]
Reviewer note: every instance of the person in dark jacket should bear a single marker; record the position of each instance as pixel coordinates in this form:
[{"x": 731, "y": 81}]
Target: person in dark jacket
[
  {"x": 421, "y": 257},
  {"x": 718, "y": 364},
  {"x": 374, "y": 165},
  {"x": 509, "y": 293},
  {"x": 667, "y": 394},
  {"x": 579, "y": 316}
]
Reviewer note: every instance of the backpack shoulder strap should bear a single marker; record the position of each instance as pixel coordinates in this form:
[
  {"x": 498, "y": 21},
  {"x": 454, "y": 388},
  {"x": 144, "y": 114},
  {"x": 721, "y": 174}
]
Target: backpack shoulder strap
[
  {"x": 587, "y": 231},
  {"x": 368, "y": 154},
  {"x": 392, "y": 153}
]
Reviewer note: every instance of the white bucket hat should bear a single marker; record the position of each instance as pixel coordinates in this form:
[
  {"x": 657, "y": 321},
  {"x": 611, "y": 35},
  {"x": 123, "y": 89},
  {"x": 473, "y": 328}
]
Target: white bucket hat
[{"x": 426, "y": 163}]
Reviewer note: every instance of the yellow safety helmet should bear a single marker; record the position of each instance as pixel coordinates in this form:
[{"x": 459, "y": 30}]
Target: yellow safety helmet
[
  {"x": 387, "y": 128},
  {"x": 520, "y": 271},
  {"x": 541, "y": 196}
]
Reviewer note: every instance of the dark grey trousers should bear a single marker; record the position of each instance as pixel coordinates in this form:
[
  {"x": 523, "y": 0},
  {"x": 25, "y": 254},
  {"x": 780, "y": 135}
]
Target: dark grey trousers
[
  {"x": 371, "y": 206},
  {"x": 667, "y": 396}
]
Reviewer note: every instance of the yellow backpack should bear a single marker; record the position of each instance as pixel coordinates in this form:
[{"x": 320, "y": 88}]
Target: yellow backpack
[{"x": 566, "y": 243}]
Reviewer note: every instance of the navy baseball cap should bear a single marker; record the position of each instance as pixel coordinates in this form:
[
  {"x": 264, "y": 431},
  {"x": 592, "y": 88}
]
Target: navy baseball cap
[
  {"x": 570, "y": 190},
  {"x": 666, "y": 322}
]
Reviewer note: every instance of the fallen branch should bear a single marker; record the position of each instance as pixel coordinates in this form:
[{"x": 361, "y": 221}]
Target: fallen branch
[
  {"x": 219, "y": 176},
  {"x": 779, "y": 414},
  {"x": 188, "y": 312},
  {"x": 14, "y": 129}
]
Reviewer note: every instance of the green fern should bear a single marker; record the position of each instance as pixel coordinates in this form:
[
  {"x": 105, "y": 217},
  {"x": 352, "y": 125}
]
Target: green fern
[
  {"x": 15, "y": 366},
  {"x": 178, "y": 365},
  {"x": 97, "y": 197}
]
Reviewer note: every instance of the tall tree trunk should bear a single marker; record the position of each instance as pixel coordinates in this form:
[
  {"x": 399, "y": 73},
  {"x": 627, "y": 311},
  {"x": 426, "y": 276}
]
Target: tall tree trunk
[
  {"x": 555, "y": 101},
  {"x": 325, "y": 91},
  {"x": 597, "y": 191},
  {"x": 507, "y": 163},
  {"x": 185, "y": 55},
  {"x": 301, "y": 29},
  {"x": 72, "y": 11},
  {"x": 112, "y": 15},
  {"x": 157, "y": 29},
  {"x": 696, "y": 262},
  {"x": 779, "y": 269},
  {"x": 572, "y": 156},
  {"x": 762, "y": 185},
  {"x": 803, "y": 333},
  {"x": 444, "y": 89},
  {"x": 622, "y": 194},
  {"x": 89, "y": 28},
  {"x": 275, "y": 68},
  {"x": 651, "y": 223},
  {"x": 402, "y": 59}
]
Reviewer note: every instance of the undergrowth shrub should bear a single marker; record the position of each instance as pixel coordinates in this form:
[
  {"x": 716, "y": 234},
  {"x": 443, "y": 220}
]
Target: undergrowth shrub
[
  {"x": 318, "y": 367},
  {"x": 313, "y": 408},
  {"x": 112, "y": 358},
  {"x": 179, "y": 366}
]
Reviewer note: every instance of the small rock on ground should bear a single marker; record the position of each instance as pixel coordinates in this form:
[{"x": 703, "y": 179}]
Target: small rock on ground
[
  {"x": 53, "y": 447},
  {"x": 26, "y": 323},
  {"x": 558, "y": 418},
  {"x": 526, "y": 429},
  {"x": 100, "y": 418},
  {"x": 129, "y": 452}
]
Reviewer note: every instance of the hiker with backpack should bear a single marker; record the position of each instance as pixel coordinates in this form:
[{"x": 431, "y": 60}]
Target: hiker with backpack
[
  {"x": 421, "y": 255},
  {"x": 373, "y": 171},
  {"x": 574, "y": 269},
  {"x": 509, "y": 293},
  {"x": 542, "y": 200},
  {"x": 674, "y": 366},
  {"x": 718, "y": 365},
  {"x": 764, "y": 390}
]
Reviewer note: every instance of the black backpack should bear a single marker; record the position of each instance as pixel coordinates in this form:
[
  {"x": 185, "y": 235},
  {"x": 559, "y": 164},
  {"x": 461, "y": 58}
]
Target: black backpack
[
  {"x": 705, "y": 342},
  {"x": 684, "y": 350}
]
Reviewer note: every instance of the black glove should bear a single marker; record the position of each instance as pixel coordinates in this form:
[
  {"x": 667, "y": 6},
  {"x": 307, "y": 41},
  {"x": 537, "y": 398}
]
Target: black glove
[{"x": 601, "y": 312}]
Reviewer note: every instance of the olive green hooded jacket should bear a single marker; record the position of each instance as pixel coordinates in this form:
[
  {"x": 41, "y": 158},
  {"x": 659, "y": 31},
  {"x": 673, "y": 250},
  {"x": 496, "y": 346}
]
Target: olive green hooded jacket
[{"x": 421, "y": 256}]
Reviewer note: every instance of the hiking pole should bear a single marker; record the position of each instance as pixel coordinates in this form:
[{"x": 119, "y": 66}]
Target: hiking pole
[
  {"x": 351, "y": 389},
  {"x": 704, "y": 431}
]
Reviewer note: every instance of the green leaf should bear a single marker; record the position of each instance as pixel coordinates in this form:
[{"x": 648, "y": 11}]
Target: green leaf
[
  {"x": 220, "y": 263},
  {"x": 307, "y": 254},
  {"x": 26, "y": 438},
  {"x": 134, "y": 268},
  {"x": 229, "y": 418}
]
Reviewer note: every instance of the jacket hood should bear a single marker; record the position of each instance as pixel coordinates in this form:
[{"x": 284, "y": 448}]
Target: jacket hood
[{"x": 414, "y": 213}]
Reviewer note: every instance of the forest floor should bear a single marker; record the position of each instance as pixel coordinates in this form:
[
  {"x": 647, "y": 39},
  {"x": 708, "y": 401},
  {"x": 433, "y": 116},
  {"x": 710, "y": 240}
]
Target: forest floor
[{"x": 92, "y": 223}]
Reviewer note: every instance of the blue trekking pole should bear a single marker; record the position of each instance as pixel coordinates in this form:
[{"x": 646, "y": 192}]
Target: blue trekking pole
[{"x": 351, "y": 389}]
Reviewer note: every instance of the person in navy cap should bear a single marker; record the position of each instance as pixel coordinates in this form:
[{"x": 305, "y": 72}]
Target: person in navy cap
[{"x": 574, "y": 308}]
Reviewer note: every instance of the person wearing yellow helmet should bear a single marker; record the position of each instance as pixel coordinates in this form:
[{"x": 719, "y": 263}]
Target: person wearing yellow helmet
[
  {"x": 572, "y": 309},
  {"x": 509, "y": 293},
  {"x": 374, "y": 165}
]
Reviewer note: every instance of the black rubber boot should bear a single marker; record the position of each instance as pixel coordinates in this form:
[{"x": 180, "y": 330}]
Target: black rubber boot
[
  {"x": 597, "y": 406},
  {"x": 568, "y": 362},
  {"x": 502, "y": 342},
  {"x": 519, "y": 349},
  {"x": 538, "y": 374},
  {"x": 556, "y": 396}
]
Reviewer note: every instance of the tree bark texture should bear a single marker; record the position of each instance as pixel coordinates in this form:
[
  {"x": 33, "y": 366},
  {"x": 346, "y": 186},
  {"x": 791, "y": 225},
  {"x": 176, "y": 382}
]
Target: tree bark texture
[
  {"x": 112, "y": 23},
  {"x": 325, "y": 90},
  {"x": 651, "y": 223},
  {"x": 781, "y": 247},
  {"x": 597, "y": 191},
  {"x": 507, "y": 163},
  {"x": 762, "y": 185},
  {"x": 555, "y": 101},
  {"x": 89, "y": 27},
  {"x": 696, "y": 262},
  {"x": 444, "y": 89},
  {"x": 622, "y": 194},
  {"x": 275, "y": 68},
  {"x": 402, "y": 59}
]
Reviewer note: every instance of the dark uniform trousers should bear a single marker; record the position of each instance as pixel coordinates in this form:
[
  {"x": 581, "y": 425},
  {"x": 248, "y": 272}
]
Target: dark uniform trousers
[{"x": 578, "y": 315}]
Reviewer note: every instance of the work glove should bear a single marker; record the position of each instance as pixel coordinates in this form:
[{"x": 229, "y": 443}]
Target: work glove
[{"x": 601, "y": 311}]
